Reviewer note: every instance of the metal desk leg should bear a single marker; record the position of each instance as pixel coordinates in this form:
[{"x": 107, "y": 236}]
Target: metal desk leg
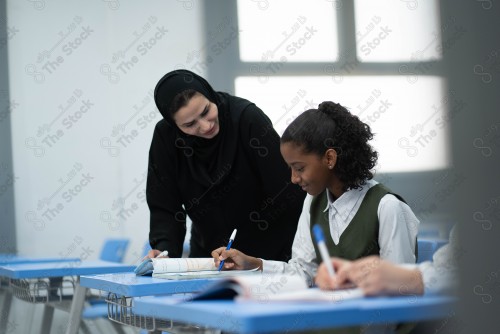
[
  {"x": 55, "y": 285},
  {"x": 48, "y": 315},
  {"x": 5, "y": 310},
  {"x": 75, "y": 313}
]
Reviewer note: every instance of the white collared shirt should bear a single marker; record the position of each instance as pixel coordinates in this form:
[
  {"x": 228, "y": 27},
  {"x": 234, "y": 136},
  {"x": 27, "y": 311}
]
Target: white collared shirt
[{"x": 398, "y": 227}]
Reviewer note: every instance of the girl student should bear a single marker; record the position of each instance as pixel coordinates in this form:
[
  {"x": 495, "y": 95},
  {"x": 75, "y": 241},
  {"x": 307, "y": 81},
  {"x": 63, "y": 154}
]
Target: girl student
[{"x": 328, "y": 152}]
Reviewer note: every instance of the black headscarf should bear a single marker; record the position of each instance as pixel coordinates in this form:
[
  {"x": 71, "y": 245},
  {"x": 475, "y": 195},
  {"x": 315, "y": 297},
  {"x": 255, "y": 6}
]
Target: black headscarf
[{"x": 209, "y": 160}]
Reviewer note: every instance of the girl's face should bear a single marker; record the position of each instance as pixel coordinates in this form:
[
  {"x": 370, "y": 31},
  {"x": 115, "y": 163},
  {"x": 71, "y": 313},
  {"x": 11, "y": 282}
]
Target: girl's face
[
  {"x": 198, "y": 118},
  {"x": 309, "y": 170}
]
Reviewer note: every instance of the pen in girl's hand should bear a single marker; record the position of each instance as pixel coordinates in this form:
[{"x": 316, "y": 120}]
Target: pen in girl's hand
[
  {"x": 231, "y": 239},
  {"x": 320, "y": 240}
]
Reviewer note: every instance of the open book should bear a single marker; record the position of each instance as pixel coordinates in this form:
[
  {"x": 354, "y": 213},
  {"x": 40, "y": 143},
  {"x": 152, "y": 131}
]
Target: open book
[
  {"x": 184, "y": 268},
  {"x": 271, "y": 287}
]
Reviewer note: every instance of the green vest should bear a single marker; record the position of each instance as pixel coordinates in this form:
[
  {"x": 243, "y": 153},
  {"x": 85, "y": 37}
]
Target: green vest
[{"x": 360, "y": 238}]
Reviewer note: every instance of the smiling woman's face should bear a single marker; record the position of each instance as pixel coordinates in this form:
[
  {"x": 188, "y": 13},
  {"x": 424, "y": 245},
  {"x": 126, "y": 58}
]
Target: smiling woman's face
[{"x": 198, "y": 118}]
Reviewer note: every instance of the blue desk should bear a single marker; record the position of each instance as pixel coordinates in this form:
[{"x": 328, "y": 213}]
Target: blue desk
[
  {"x": 60, "y": 269},
  {"x": 55, "y": 271},
  {"x": 6, "y": 259},
  {"x": 255, "y": 317},
  {"x": 10, "y": 259},
  {"x": 130, "y": 285},
  {"x": 123, "y": 286}
]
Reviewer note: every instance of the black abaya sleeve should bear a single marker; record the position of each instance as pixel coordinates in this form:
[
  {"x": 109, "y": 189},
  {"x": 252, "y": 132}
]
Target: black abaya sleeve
[
  {"x": 280, "y": 210},
  {"x": 167, "y": 217}
]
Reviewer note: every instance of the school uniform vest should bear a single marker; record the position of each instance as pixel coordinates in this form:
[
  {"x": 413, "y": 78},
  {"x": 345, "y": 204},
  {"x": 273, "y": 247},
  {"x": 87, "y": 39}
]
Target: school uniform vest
[{"x": 360, "y": 238}]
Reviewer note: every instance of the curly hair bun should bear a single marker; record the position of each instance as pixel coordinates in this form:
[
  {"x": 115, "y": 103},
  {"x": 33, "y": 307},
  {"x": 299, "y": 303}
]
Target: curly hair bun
[
  {"x": 333, "y": 110},
  {"x": 333, "y": 126}
]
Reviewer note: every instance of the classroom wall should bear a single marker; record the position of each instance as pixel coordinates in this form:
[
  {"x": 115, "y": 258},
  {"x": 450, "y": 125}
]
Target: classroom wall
[
  {"x": 80, "y": 84},
  {"x": 77, "y": 117}
]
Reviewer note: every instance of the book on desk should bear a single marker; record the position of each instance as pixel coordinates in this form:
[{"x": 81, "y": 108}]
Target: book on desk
[
  {"x": 184, "y": 268},
  {"x": 240, "y": 285},
  {"x": 271, "y": 288}
]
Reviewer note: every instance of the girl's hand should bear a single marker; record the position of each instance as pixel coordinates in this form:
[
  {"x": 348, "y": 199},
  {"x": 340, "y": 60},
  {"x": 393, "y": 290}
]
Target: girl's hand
[{"x": 235, "y": 260}]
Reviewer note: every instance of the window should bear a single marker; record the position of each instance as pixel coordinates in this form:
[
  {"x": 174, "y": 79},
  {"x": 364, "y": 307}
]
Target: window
[
  {"x": 380, "y": 59},
  {"x": 304, "y": 32}
]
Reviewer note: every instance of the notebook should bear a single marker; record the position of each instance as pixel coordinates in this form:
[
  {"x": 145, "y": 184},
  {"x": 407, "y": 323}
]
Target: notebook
[{"x": 272, "y": 287}]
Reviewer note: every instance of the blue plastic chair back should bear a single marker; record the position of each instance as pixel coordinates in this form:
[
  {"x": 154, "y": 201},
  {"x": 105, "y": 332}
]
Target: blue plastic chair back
[
  {"x": 427, "y": 248},
  {"x": 114, "y": 250},
  {"x": 146, "y": 249}
]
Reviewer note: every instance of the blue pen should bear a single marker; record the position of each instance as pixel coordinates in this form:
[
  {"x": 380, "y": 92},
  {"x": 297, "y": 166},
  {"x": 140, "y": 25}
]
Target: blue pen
[
  {"x": 231, "y": 239},
  {"x": 320, "y": 240}
]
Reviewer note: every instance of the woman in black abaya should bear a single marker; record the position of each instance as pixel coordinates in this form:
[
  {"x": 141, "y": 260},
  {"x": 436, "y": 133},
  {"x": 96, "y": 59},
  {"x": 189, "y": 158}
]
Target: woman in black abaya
[{"x": 215, "y": 158}]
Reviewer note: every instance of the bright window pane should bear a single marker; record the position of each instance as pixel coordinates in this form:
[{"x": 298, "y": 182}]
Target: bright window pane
[
  {"x": 409, "y": 119},
  {"x": 282, "y": 30},
  {"x": 394, "y": 30}
]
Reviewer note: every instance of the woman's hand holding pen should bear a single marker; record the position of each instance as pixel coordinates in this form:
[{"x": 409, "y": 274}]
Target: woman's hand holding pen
[{"x": 235, "y": 260}]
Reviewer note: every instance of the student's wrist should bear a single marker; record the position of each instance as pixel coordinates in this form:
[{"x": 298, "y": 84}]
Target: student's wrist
[
  {"x": 418, "y": 286},
  {"x": 254, "y": 263},
  {"x": 413, "y": 282}
]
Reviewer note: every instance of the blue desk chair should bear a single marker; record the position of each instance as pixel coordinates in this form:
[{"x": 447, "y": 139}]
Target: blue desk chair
[
  {"x": 114, "y": 250},
  {"x": 146, "y": 249},
  {"x": 427, "y": 248}
]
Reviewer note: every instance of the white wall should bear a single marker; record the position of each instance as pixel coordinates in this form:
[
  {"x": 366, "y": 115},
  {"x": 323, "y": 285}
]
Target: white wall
[{"x": 82, "y": 76}]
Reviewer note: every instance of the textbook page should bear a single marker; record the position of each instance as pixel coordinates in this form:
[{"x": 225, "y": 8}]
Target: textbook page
[
  {"x": 183, "y": 268},
  {"x": 205, "y": 274},
  {"x": 271, "y": 288},
  {"x": 177, "y": 265},
  {"x": 314, "y": 294}
]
